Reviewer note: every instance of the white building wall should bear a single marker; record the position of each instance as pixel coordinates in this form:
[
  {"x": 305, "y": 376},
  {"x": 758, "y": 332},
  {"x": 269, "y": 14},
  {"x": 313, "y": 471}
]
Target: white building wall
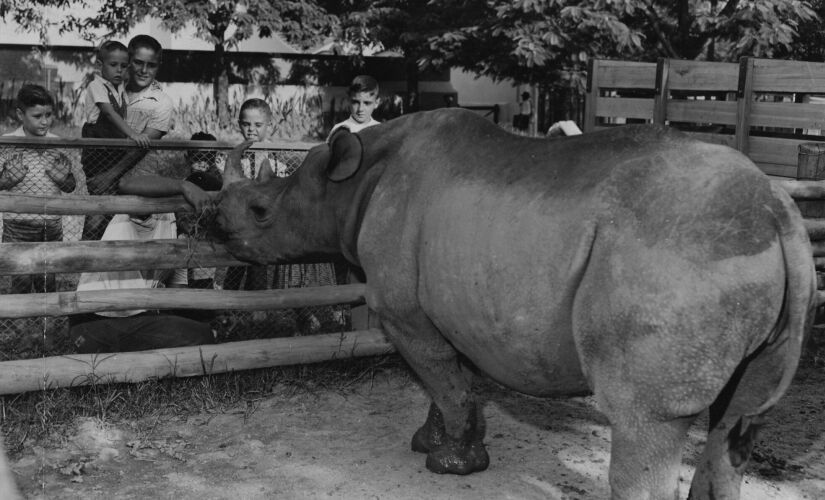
[{"x": 474, "y": 90}]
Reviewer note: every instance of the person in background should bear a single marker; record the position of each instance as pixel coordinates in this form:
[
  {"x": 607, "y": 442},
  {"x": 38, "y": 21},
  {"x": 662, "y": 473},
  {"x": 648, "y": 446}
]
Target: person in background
[
  {"x": 140, "y": 329},
  {"x": 41, "y": 171},
  {"x": 255, "y": 123},
  {"x": 105, "y": 109},
  {"x": 412, "y": 102},
  {"x": 203, "y": 173},
  {"x": 363, "y": 99},
  {"x": 149, "y": 111},
  {"x": 525, "y": 111}
]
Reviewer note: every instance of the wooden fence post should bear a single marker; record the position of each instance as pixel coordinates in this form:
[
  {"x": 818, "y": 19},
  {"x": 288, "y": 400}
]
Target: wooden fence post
[
  {"x": 744, "y": 97},
  {"x": 811, "y": 166},
  {"x": 591, "y": 96},
  {"x": 660, "y": 99}
]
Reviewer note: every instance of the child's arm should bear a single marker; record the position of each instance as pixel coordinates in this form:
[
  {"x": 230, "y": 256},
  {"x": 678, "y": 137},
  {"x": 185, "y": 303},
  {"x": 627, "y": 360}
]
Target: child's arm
[
  {"x": 12, "y": 171},
  {"x": 109, "y": 110},
  {"x": 154, "y": 186},
  {"x": 60, "y": 172}
]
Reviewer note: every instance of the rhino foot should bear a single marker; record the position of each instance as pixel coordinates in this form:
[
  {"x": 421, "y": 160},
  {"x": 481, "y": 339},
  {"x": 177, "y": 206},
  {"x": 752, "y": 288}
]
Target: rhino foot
[
  {"x": 458, "y": 458},
  {"x": 430, "y": 435}
]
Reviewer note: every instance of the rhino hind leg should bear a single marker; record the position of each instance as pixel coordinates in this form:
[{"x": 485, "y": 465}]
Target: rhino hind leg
[
  {"x": 645, "y": 457},
  {"x": 453, "y": 434},
  {"x": 730, "y": 439}
]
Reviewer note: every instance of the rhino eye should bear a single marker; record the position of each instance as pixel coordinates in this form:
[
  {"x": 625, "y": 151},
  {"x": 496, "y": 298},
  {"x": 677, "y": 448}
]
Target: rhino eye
[{"x": 260, "y": 212}]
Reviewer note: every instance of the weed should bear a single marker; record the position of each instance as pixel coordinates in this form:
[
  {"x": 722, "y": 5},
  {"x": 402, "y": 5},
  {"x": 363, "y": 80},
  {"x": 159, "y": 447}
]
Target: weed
[{"x": 46, "y": 415}]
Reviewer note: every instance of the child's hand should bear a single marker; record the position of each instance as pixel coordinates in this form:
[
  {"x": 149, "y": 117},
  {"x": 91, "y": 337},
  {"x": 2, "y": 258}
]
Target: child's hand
[
  {"x": 14, "y": 173},
  {"x": 141, "y": 139},
  {"x": 197, "y": 197},
  {"x": 59, "y": 170}
]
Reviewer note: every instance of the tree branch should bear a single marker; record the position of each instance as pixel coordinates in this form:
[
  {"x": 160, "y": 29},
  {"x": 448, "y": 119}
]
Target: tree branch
[
  {"x": 729, "y": 8},
  {"x": 656, "y": 21}
]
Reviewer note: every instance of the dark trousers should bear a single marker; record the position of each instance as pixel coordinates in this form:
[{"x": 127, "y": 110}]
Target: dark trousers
[
  {"x": 29, "y": 231},
  {"x": 149, "y": 330}
]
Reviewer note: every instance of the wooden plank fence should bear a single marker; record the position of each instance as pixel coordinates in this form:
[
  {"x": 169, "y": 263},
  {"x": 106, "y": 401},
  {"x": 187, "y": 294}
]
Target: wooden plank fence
[
  {"x": 762, "y": 107},
  {"x": 83, "y": 256}
]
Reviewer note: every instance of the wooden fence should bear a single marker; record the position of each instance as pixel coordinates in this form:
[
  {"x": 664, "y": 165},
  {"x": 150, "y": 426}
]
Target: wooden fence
[
  {"x": 83, "y": 256},
  {"x": 765, "y": 108}
]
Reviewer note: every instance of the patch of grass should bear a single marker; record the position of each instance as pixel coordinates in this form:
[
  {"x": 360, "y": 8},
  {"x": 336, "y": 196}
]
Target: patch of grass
[{"x": 44, "y": 416}]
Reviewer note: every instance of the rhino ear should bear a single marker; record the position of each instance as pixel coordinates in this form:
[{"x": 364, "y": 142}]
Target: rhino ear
[
  {"x": 346, "y": 154},
  {"x": 232, "y": 170}
]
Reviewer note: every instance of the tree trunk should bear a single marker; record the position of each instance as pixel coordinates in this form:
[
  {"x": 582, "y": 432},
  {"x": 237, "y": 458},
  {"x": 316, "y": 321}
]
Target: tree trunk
[
  {"x": 220, "y": 86},
  {"x": 412, "y": 84}
]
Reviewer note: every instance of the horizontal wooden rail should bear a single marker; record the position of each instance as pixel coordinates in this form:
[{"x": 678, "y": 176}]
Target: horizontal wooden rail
[
  {"x": 63, "y": 303},
  {"x": 90, "y": 205},
  {"x": 84, "y": 256},
  {"x": 85, "y": 369},
  {"x": 803, "y": 190},
  {"x": 165, "y": 144}
]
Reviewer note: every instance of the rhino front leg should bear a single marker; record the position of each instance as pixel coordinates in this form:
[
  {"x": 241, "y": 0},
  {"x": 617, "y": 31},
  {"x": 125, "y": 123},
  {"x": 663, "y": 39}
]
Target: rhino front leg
[{"x": 453, "y": 435}]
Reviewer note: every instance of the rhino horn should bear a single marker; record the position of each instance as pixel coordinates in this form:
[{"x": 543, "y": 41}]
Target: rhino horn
[
  {"x": 232, "y": 171},
  {"x": 265, "y": 171}
]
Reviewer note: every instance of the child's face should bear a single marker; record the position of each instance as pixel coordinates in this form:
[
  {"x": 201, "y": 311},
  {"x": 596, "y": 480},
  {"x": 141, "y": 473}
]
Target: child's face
[
  {"x": 254, "y": 124},
  {"x": 362, "y": 104},
  {"x": 113, "y": 66},
  {"x": 36, "y": 120},
  {"x": 143, "y": 66}
]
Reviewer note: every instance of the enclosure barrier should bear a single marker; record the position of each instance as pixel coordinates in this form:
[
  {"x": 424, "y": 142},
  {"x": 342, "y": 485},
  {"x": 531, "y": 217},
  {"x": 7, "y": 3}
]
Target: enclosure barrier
[
  {"x": 763, "y": 107},
  {"x": 69, "y": 258},
  {"x": 84, "y": 256}
]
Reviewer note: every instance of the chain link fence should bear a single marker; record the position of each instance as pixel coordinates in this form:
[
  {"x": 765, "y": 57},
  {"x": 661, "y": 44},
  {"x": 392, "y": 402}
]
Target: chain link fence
[{"x": 38, "y": 169}]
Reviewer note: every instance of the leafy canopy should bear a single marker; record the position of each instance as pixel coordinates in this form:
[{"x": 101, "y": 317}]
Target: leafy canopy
[{"x": 541, "y": 41}]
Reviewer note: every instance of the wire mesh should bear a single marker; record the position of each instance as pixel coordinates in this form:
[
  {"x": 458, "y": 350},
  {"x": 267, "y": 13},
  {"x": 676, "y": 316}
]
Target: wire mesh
[{"x": 33, "y": 170}]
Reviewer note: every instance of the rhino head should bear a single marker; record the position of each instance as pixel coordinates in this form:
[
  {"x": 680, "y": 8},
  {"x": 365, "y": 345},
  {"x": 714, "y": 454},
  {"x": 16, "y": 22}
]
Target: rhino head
[{"x": 300, "y": 218}]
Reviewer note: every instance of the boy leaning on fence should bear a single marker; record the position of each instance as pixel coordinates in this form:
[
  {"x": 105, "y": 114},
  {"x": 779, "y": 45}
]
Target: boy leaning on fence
[
  {"x": 148, "y": 110},
  {"x": 41, "y": 171},
  {"x": 105, "y": 109}
]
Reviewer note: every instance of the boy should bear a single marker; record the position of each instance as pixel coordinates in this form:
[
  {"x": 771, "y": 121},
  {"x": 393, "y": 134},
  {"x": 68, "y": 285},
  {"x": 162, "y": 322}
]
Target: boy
[
  {"x": 363, "y": 99},
  {"x": 255, "y": 121},
  {"x": 105, "y": 103},
  {"x": 34, "y": 171},
  {"x": 105, "y": 108},
  {"x": 149, "y": 111}
]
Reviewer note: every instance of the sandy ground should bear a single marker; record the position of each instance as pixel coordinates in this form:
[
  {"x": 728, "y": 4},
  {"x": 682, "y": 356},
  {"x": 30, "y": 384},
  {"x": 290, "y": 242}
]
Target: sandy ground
[{"x": 356, "y": 445}]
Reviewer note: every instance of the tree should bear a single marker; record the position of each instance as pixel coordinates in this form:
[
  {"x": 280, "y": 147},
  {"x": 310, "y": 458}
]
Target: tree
[
  {"x": 222, "y": 23},
  {"x": 540, "y": 41}
]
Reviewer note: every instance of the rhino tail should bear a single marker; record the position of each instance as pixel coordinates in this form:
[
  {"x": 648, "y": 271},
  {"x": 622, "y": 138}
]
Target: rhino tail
[{"x": 800, "y": 296}]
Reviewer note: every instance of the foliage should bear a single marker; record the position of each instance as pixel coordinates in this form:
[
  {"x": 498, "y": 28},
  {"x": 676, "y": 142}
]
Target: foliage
[
  {"x": 809, "y": 44},
  {"x": 536, "y": 41},
  {"x": 222, "y": 23}
]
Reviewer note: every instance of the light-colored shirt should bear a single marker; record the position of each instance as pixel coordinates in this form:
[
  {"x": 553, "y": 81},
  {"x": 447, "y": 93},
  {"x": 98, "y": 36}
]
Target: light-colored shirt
[
  {"x": 36, "y": 180},
  {"x": 251, "y": 171},
  {"x": 353, "y": 125},
  {"x": 98, "y": 91},
  {"x": 150, "y": 107},
  {"x": 124, "y": 227}
]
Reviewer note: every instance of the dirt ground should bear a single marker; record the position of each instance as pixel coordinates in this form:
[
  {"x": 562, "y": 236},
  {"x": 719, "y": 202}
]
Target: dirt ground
[{"x": 356, "y": 445}]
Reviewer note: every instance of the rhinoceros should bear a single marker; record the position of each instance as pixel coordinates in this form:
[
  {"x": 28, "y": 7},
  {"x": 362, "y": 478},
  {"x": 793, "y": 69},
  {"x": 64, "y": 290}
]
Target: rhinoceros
[{"x": 664, "y": 275}]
